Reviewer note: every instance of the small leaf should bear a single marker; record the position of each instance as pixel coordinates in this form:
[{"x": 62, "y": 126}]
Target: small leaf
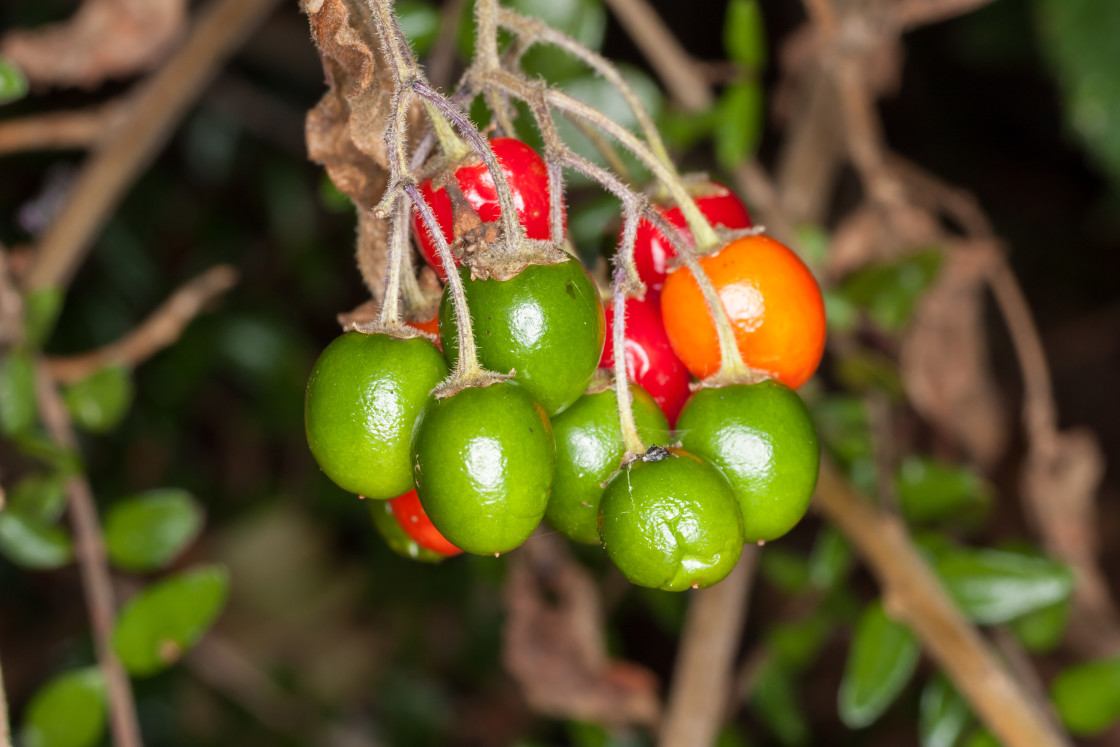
[
  {"x": 774, "y": 699},
  {"x": 40, "y": 310},
  {"x": 36, "y": 446},
  {"x": 33, "y": 544},
  {"x": 744, "y": 34},
  {"x": 944, "y": 714},
  {"x": 795, "y": 644},
  {"x": 161, "y": 623},
  {"x": 98, "y": 402},
  {"x": 13, "y": 83},
  {"x": 1041, "y": 631},
  {"x": 17, "y": 393},
  {"x": 830, "y": 560},
  {"x": 1087, "y": 696},
  {"x": 147, "y": 531},
  {"x": 929, "y": 490},
  {"x": 583, "y": 20},
  {"x": 881, "y": 660},
  {"x": 993, "y": 587},
  {"x": 739, "y": 127},
  {"x": 41, "y": 497},
  {"x": 889, "y": 291},
  {"x": 420, "y": 23},
  {"x": 69, "y": 711},
  {"x": 982, "y": 738}
]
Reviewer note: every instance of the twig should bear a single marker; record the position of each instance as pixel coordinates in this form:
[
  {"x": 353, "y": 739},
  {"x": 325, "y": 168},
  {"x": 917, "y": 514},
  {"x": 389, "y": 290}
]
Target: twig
[
  {"x": 161, "y": 329},
  {"x": 914, "y": 596},
  {"x": 910, "y": 14},
  {"x": 673, "y": 65},
  {"x": 11, "y": 303},
  {"x": 702, "y": 677},
  {"x": 80, "y": 128},
  {"x": 5, "y": 730},
  {"x": 89, "y": 550},
  {"x": 161, "y": 102}
]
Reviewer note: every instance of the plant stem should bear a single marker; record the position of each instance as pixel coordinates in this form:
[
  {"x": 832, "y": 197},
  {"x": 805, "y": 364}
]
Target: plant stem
[
  {"x": 467, "y": 366},
  {"x": 390, "y": 315},
  {"x": 451, "y": 144},
  {"x": 486, "y": 44},
  {"x": 630, "y": 435}
]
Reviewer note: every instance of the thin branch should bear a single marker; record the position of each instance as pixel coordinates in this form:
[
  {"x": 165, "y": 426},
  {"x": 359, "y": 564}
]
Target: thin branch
[
  {"x": 910, "y": 14},
  {"x": 673, "y": 64},
  {"x": 11, "y": 303},
  {"x": 702, "y": 677},
  {"x": 89, "y": 549},
  {"x": 914, "y": 596},
  {"x": 159, "y": 105},
  {"x": 161, "y": 329},
  {"x": 81, "y": 128}
]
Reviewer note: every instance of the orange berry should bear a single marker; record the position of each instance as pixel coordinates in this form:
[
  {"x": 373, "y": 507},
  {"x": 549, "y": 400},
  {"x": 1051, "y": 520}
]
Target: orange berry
[{"x": 774, "y": 304}]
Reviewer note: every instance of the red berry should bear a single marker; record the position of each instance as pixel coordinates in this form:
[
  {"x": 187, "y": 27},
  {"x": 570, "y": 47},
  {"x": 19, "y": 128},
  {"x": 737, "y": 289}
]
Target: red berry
[
  {"x": 652, "y": 250},
  {"x": 650, "y": 360},
  {"x": 415, "y": 523},
  {"x": 525, "y": 172}
]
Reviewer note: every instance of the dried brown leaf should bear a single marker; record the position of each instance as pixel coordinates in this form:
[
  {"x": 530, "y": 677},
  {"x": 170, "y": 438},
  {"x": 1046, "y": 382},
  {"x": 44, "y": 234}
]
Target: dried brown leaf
[
  {"x": 944, "y": 363},
  {"x": 103, "y": 39},
  {"x": 555, "y": 643},
  {"x": 1059, "y": 485}
]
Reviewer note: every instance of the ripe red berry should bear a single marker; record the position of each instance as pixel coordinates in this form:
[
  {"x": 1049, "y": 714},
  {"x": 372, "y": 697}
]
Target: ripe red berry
[
  {"x": 412, "y": 518},
  {"x": 525, "y": 172},
  {"x": 650, "y": 360},
  {"x": 652, "y": 249}
]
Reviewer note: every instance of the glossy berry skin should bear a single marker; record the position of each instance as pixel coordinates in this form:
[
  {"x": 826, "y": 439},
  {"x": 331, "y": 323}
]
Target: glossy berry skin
[
  {"x": 410, "y": 515},
  {"x": 671, "y": 524},
  {"x": 652, "y": 250},
  {"x": 483, "y": 461},
  {"x": 546, "y": 324},
  {"x": 650, "y": 360},
  {"x": 589, "y": 449},
  {"x": 774, "y": 304},
  {"x": 429, "y": 325},
  {"x": 363, "y": 398},
  {"x": 525, "y": 172},
  {"x": 395, "y": 537},
  {"x": 761, "y": 437}
]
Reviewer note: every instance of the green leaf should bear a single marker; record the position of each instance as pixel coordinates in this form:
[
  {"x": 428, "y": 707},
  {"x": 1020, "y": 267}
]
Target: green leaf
[
  {"x": 1041, "y": 631},
  {"x": 993, "y": 587},
  {"x": 41, "y": 497},
  {"x": 944, "y": 714},
  {"x": 37, "y": 446},
  {"x": 889, "y": 291},
  {"x": 744, "y": 34},
  {"x": 1079, "y": 37},
  {"x": 784, "y": 568},
  {"x": 1087, "y": 696},
  {"x": 32, "y": 543},
  {"x": 161, "y": 623},
  {"x": 17, "y": 393},
  {"x": 739, "y": 127},
  {"x": 420, "y": 23},
  {"x": 583, "y": 20},
  {"x": 830, "y": 560},
  {"x": 774, "y": 699},
  {"x": 147, "y": 531},
  {"x": 982, "y": 738},
  {"x": 795, "y": 644},
  {"x": 69, "y": 711},
  {"x": 929, "y": 490},
  {"x": 13, "y": 83},
  {"x": 98, "y": 402},
  {"x": 881, "y": 660},
  {"x": 40, "y": 311}
]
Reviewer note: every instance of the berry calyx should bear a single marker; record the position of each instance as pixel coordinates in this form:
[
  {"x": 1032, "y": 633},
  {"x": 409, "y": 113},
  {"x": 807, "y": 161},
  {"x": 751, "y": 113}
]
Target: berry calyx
[
  {"x": 670, "y": 521},
  {"x": 650, "y": 360},
  {"x": 761, "y": 438},
  {"x": 589, "y": 449},
  {"x": 525, "y": 173},
  {"x": 410, "y": 515},
  {"x": 363, "y": 398},
  {"x": 654, "y": 253},
  {"x": 545, "y": 324},
  {"x": 772, "y": 301},
  {"x": 483, "y": 461}
]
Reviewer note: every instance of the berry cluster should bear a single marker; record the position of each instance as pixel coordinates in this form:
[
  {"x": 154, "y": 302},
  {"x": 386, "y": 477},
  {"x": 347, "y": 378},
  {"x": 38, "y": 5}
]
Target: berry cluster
[{"x": 670, "y": 480}]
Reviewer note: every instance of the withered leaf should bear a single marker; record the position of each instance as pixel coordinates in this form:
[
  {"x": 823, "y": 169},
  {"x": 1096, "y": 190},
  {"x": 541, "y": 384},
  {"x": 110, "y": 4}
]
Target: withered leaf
[{"x": 103, "y": 39}]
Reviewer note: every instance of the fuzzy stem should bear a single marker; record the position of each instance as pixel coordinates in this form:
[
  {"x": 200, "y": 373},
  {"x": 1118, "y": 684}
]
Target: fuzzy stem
[
  {"x": 486, "y": 44},
  {"x": 467, "y": 366},
  {"x": 630, "y": 435},
  {"x": 451, "y": 144},
  {"x": 533, "y": 31},
  {"x": 555, "y": 200},
  {"x": 390, "y": 315}
]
